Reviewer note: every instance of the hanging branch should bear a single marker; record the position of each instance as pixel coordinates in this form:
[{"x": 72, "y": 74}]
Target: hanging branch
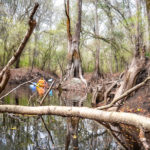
[{"x": 32, "y": 24}]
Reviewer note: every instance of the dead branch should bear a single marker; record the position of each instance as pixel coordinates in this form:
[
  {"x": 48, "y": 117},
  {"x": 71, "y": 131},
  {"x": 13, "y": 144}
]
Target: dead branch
[
  {"x": 143, "y": 140},
  {"x": 108, "y": 91},
  {"x": 16, "y": 88},
  {"x": 32, "y": 24},
  {"x": 125, "y": 94},
  {"x": 49, "y": 133},
  {"x": 84, "y": 112},
  {"x": 94, "y": 96}
]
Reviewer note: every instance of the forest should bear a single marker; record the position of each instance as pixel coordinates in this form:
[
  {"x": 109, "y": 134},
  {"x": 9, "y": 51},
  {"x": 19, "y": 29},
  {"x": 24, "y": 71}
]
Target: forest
[{"x": 74, "y": 74}]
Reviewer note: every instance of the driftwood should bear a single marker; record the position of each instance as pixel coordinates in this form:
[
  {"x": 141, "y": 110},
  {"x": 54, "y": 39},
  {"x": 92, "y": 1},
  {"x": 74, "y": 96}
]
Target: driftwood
[
  {"x": 32, "y": 24},
  {"x": 84, "y": 112},
  {"x": 125, "y": 94}
]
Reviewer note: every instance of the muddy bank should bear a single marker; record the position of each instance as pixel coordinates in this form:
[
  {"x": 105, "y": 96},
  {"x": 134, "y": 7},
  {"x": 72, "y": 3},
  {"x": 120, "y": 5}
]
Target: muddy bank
[{"x": 21, "y": 75}]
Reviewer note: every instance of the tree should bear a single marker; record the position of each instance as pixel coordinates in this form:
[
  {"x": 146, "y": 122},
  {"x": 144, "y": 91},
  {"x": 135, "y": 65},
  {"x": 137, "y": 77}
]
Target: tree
[
  {"x": 74, "y": 60},
  {"x": 4, "y": 74},
  {"x": 148, "y": 17},
  {"x": 97, "y": 73}
]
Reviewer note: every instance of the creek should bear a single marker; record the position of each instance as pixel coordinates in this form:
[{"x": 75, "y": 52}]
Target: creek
[{"x": 26, "y": 132}]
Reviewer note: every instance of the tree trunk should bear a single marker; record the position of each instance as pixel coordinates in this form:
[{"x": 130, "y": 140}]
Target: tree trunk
[
  {"x": 83, "y": 112},
  {"x": 74, "y": 68},
  {"x": 34, "y": 51},
  {"x": 97, "y": 73},
  {"x": 138, "y": 64},
  {"x": 17, "y": 63},
  {"x": 148, "y": 17}
]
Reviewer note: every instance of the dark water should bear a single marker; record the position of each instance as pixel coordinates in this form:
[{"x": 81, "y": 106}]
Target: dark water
[{"x": 26, "y": 132}]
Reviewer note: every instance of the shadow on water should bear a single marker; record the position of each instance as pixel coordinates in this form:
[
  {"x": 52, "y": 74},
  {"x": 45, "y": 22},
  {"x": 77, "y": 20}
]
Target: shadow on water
[{"x": 49, "y": 132}]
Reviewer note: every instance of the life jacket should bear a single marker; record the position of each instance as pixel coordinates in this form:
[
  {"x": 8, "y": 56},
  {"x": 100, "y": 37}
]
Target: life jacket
[
  {"x": 42, "y": 83},
  {"x": 41, "y": 86}
]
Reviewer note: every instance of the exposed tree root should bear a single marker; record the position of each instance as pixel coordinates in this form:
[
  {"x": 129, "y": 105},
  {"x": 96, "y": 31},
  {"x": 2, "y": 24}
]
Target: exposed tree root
[{"x": 125, "y": 94}]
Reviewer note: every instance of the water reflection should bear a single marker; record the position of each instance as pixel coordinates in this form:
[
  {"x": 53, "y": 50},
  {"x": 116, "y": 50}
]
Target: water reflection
[{"x": 26, "y": 132}]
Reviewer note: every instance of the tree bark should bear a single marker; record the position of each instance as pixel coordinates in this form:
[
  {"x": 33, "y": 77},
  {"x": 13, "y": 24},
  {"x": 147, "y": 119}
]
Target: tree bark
[{"x": 83, "y": 112}]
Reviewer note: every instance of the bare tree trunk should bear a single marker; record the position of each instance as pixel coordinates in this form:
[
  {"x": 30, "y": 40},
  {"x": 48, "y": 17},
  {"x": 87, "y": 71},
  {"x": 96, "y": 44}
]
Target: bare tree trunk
[
  {"x": 74, "y": 59},
  {"x": 97, "y": 73},
  {"x": 34, "y": 52},
  {"x": 114, "y": 50},
  {"x": 17, "y": 63},
  {"x": 83, "y": 112},
  {"x": 148, "y": 16}
]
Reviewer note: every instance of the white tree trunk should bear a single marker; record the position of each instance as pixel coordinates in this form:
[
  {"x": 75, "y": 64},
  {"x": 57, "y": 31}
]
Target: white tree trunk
[{"x": 83, "y": 112}]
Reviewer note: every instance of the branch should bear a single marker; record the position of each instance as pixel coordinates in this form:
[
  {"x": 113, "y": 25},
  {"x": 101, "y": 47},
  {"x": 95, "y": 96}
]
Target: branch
[
  {"x": 83, "y": 112},
  {"x": 17, "y": 88},
  {"x": 107, "y": 40},
  {"x": 49, "y": 133},
  {"x": 108, "y": 91},
  {"x": 32, "y": 24},
  {"x": 125, "y": 94},
  {"x": 143, "y": 140}
]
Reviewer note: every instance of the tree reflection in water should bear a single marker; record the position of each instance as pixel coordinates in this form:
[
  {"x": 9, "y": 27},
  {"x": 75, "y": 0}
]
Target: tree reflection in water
[{"x": 51, "y": 132}]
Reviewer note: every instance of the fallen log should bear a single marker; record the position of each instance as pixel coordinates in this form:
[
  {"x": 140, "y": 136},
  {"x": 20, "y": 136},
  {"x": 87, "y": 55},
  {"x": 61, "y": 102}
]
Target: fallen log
[{"x": 83, "y": 112}]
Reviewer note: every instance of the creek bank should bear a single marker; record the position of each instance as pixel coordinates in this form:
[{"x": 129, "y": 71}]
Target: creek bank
[{"x": 21, "y": 75}]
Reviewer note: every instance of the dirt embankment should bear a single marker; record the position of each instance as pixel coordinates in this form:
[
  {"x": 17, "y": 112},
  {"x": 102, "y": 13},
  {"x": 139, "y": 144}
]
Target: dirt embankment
[{"x": 25, "y": 74}]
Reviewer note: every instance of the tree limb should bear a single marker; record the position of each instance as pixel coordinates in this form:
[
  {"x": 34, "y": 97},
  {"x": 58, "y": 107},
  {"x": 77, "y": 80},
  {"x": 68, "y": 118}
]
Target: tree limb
[
  {"x": 17, "y": 88},
  {"x": 143, "y": 140},
  {"x": 84, "y": 112}
]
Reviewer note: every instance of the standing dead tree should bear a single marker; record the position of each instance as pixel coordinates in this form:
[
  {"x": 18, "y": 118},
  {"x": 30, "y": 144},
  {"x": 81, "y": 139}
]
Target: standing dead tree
[
  {"x": 5, "y": 73},
  {"x": 74, "y": 68}
]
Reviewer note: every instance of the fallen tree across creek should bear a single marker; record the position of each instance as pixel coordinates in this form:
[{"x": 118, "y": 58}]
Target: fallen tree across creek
[{"x": 83, "y": 112}]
